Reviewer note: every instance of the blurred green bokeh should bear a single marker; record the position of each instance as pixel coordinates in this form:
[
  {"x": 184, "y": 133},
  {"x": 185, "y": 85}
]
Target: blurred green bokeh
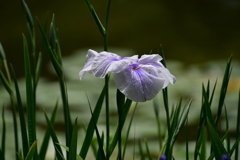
[{"x": 190, "y": 31}]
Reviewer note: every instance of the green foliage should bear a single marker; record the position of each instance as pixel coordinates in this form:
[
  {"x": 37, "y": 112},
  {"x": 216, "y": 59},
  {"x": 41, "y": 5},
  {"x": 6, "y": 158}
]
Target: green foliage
[
  {"x": 176, "y": 116},
  {"x": 46, "y": 138},
  {"x": 25, "y": 142},
  {"x": 2, "y": 149}
]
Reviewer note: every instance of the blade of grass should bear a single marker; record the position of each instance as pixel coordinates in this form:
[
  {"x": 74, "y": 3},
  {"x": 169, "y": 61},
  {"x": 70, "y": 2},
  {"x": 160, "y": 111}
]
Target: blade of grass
[
  {"x": 2, "y": 53},
  {"x": 59, "y": 153},
  {"x": 44, "y": 146},
  {"x": 31, "y": 151},
  {"x": 38, "y": 69},
  {"x": 142, "y": 157},
  {"x": 147, "y": 148},
  {"x": 224, "y": 87},
  {"x": 90, "y": 128},
  {"x": 29, "y": 91},
  {"x": 3, "y": 134},
  {"x": 8, "y": 86},
  {"x": 128, "y": 131},
  {"x": 227, "y": 128},
  {"x": 187, "y": 150},
  {"x": 95, "y": 17},
  {"x": 100, "y": 142},
  {"x": 156, "y": 111},
  {"x": 120, "y": 105},
  {"x": 202, "y": 154},
  {"x": 28, "y": 15},
  {"x": 52, "y": 56},
  {"x": 114, "y": 141},
  {"x": 73, "y": 147},
  {"x": 218, "y": 147},
  {"x": 63, "y": 87},
  {"x": 5, "y": 83},
  {"x": 238, "y": 126},
  {"x": 21, "y": 116}
]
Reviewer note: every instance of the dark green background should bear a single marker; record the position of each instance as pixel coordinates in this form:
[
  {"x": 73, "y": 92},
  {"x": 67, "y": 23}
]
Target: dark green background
[{"x": 190, "y": 31}]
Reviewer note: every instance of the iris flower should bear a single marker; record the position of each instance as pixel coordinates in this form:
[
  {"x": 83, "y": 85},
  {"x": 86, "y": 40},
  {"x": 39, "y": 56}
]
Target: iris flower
[{"x": 138, "y": 79}]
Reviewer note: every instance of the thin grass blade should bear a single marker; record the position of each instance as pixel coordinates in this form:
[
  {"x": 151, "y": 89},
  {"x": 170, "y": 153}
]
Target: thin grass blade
[
  {"x": 203, "y": 154},
  {"x": 238, "y": 127},
  {"x": 224, "y": 87},
  {"x": 90, "y": 128},
  {"x": 51, "y": 54},
  {"x": 100, "y": 142},
  {"x": 120, "y": 105},
  {"x": 44, "y": 146},
  {"x": 2, "y": 53},
  {"x": 25, "y": 143},
  {"x": 128, "y": 131},
  {"x": 59, "y": 153},
  {"x": 38, "y": 69},
  {"x": 73, "y": 147},
  {"x": 28, "y": 15},
  {"x": 147, "y": 149},
  {"x": 5, "y": 83},
  {"x": 142, "y": 157},
  {"x": 227, "y": 129},
  {"x": 96, "y": 19},
  {"x": 30, "y": 99},
  {"x": 217, "y": 145},
  {"x": 31, "y": 151},
  {"x": 3, "y": 134},
  {"x": 114, "y": 141}
]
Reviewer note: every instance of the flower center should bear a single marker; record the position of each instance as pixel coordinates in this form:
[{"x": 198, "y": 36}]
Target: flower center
[{"x": 135, "y": 67}]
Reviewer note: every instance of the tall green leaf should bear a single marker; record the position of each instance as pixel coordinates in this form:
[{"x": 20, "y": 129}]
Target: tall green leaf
[
  {"x": 142, "y": 157},
  {"x": 44, "y": 146},
  {"x": 148, "y": 151},
  {"x": 29, "y": 92},
  {"x": 90, "y": 128},
  {"x": 120, "y": 105},
  {"x": 25, "y": 143},
  {"x": 224, "y": 87},
  {"x": 114, "y": 141},
  {"x": 128, "y": 131},
  {"x": 73, "y": 147},
  {"x": 2, "y": 154},
  {"x": 218, "y": 147},
  {"x": 95, "y": 17},
  {"x": 100, "y": 141},
  {"x": 31, "y": 151},
  {"x": 59, "y": 153},
  {"x": 238, "y": 126}
]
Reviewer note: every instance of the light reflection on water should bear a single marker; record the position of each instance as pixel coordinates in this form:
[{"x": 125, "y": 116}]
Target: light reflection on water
[{"x": 188, "y": 85}]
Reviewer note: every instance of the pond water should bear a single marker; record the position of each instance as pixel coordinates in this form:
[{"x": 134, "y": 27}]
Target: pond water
[{"x": 188, "y": 85}]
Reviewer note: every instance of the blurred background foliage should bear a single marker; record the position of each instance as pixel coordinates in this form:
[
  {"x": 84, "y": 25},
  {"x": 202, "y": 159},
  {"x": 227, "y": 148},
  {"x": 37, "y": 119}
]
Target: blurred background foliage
[{"x": 190, "y": 31}]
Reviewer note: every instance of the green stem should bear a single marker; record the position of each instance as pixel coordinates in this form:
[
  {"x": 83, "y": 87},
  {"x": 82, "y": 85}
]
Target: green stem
[
  {"x": 13, "y": 108},
  {"x": 159, "y": 133},
  {"x": 165, "y": 97},
  {"x": 67, "y": 119},
  {"x": 106, "y": 81}
]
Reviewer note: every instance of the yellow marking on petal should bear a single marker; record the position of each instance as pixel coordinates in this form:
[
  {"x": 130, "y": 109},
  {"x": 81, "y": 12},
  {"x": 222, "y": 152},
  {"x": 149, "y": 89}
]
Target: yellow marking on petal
[{"x": 135, "y": 69}]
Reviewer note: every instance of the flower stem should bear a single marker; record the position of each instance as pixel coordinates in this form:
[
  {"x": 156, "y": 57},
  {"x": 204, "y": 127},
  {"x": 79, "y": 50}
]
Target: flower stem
[
  {"x": 13, "y": 108},
  {"x": 106, "y": 81}
]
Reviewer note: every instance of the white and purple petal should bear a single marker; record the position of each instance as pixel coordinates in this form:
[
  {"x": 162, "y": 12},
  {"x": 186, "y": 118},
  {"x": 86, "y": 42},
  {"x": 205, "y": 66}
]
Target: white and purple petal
[
  {"x": 164, "y": 72},
  {"x": 109, "y": 62},
  {"x": 137, "y": 84},
  {"x": 89, "y": 61},
  {"x": 153, "y": 60}
]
